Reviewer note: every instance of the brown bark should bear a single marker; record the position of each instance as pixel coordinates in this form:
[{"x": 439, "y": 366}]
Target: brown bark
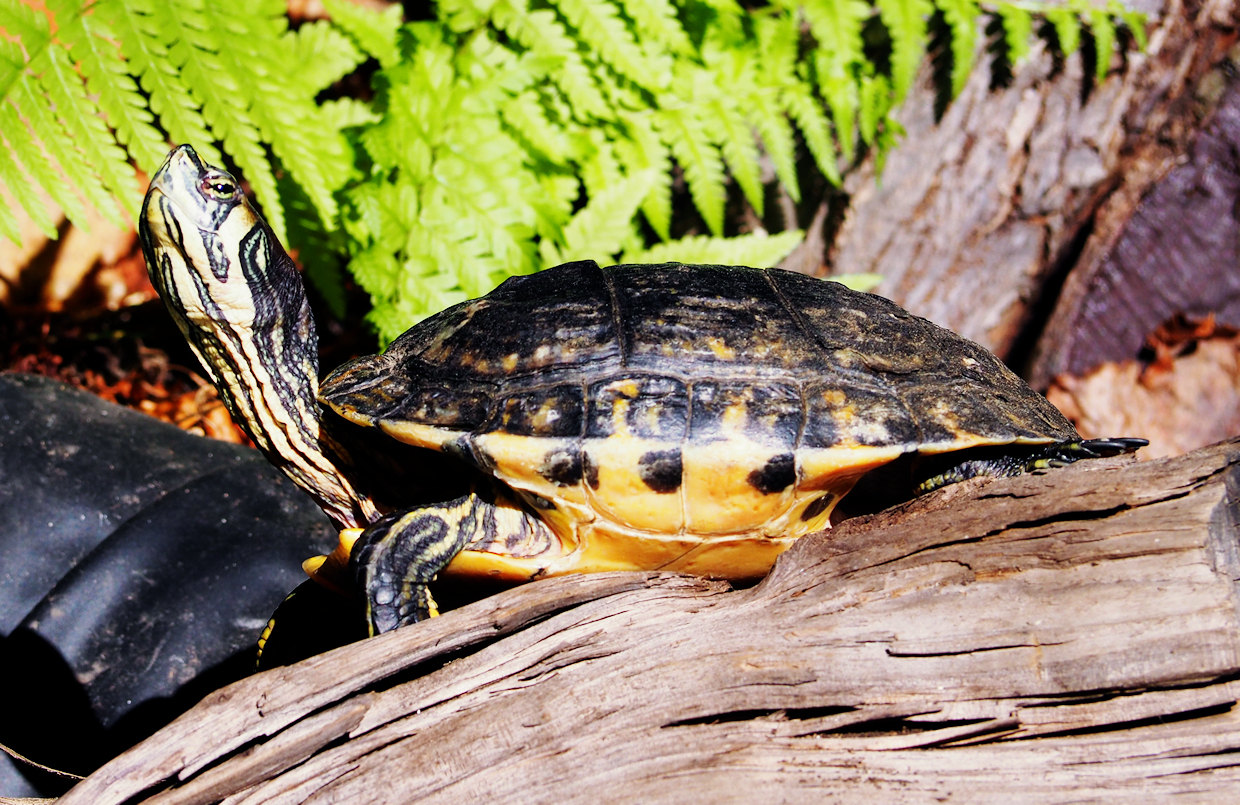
[
  {"x": 979, "y": 216},
  {"x": 1069, "y": 634}
]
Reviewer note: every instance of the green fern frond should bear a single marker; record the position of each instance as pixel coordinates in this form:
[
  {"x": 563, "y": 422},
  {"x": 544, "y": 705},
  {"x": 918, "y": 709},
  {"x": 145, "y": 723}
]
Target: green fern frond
[
  {"x": 138, "y": 32},
  {"x": 34, "y": 107},
  {"x": 736, "y": 141},
  {"x": 600, "y": 27},
  {"x": 193, "y": 47},
  {"x": 1017, "y": 30},
  {"x": 374, "y": 31},
  {"x": 93, "y": 46},
  {"x": 804, "y": 108},
  {"x": 318, "y": 55},
  {"x": 764, "y": 107},
  {"x": 906, "y": 23},
  {"x": 600, "y": 228},
  {"x": 1067, "y": 28},
  {"x": 542, "y": 34},
  {"x": 836, "y": 25},
  {"x": 657, "y": 22},
  {"x": 278, "y": 106},
  {"x": 857, "y": 282},
  {"x": 1103, "y": 29},
  {"x": 961, "y": 17},
  {"x": 527, "y": 116},
  {"x": 30, "y": 153},
  {"x": 600, "y": 167},
  {"x": 65, "y": 89},
  {"x": 1134, "y": 21},
  {"x": 686, "y": 135},
  {"x": 642, "y": 150},
  {"x": 758, "y": 249},
  {"x": 23, "y": 191},
  {"x": 876, "y": 102},
  {"x": 30, "y": 27}
]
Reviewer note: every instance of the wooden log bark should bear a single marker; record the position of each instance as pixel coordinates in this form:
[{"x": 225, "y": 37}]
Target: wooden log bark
[
  {"x": 1069, "y": 634},
  {"x": 982, "y": 211}
]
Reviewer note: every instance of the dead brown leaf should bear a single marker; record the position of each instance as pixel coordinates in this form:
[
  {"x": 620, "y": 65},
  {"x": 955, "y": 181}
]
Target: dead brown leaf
[{"x": 1187, "y": 397}]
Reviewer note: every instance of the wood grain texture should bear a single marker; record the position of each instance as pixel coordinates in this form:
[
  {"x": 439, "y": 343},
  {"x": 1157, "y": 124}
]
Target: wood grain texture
[
  {"x": 980, "y": 213},
  {"x": 1074, "y": 633}
]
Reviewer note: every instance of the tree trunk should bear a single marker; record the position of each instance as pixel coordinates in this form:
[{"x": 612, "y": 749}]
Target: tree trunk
[
  {"x": 987, "y": 209},
  {"x": 911, "y": 654}
]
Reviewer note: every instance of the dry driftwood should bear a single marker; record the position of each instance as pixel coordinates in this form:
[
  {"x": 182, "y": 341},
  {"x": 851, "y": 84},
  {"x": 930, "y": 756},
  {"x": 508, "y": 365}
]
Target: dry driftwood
[{"x": 1064, "y": 635}]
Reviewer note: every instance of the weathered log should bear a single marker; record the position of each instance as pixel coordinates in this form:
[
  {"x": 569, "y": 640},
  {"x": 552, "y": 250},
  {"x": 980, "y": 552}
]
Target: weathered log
[{"x": 1072, "y": 633}]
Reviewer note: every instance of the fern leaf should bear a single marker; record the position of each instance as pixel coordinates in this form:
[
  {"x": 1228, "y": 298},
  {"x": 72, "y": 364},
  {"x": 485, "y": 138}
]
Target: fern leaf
[
  {"x": 527, "y": 116},
  {"x": 1017, "y": 30},
  {"x": 138, "y": 34},
  {"x": 107, "y": 78},
  {"x": 836, "y": 24},
  {"x": 758, "y": 250},
  {"x": 319, "y": 55},
  {"x": 32, "y": 158},
  {"x": 12, "y": 65},
  {"x": 599, "y": 25},
  {"x": 75, "y": 111},
  {"x": 1067, "y": 29},
  {"x": 1103, "y": 29},
  {"x": 807, "y": 112},
  {"x": 736, "y": 141},
  {"x": 768, "y": 117},
  {"x": 906, "y": 24},
  {"x": 961, "y": 16},
  {"x": 641, "y": 150},
  {"x": 541, "y": 33},
  {"x": 1133, "y": 20},
  {"x": 686, "y": 136},
  {"x": 193, "y": 47},
  {"x": 314, "y": 246},
  {"x": 34, "y": 107},
  {"x": 599, "y": 167},
  {"x": 23, "y": 191},
  {"x": 281, "y": 114},
  {"x": 857, "y": 282},
  {"x": 374, "y": 32},
  {"x": 876, "y": 102},
  {"x": 656, "y": 21},
  {"x": 600, "y": 228},
  {"x": 9, "y": 227},
  {"x": 29, "y": 26}
]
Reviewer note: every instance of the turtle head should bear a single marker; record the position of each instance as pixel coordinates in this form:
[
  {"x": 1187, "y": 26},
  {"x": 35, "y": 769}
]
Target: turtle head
[
  {"x": 237, "y": 297},
  {"x": 214, "y": 259}
]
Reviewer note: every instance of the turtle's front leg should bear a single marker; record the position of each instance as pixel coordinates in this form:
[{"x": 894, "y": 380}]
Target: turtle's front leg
[{"x": 395, "y": 559}]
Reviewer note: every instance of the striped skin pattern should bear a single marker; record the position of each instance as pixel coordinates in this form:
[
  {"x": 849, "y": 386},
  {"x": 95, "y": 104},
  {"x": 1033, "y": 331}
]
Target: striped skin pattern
[{"x": 237, "y": 298}]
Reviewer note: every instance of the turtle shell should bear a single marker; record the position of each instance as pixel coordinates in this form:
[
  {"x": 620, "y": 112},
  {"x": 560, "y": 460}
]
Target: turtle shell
[{"x": 693, "y": 418}]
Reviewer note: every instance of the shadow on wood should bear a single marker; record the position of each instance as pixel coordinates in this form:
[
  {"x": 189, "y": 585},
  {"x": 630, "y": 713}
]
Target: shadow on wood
[{"x": 1072, "y": 633}]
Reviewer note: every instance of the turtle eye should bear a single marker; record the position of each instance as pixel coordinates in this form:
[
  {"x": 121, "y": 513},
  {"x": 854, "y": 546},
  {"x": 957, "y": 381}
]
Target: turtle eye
[{"x": 219, "y": 187}]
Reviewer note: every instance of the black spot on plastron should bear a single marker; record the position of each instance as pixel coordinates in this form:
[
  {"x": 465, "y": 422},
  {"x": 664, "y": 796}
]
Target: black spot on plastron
[
  {"x": 590, "y": 469},
  {"x": 776, "y": 475},
  {"x": 816, "y": 508},
  {"x": 661, "y": 470},
  {"x": 563, "y": 467}
]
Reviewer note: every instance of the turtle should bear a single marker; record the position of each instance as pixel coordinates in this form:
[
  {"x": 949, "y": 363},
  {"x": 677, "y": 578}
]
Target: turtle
[{"x": 697, "y": 419}]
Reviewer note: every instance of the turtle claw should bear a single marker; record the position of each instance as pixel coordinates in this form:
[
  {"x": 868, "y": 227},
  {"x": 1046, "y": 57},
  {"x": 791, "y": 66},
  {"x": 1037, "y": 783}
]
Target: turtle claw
[{"x": 1112, "y": 447}]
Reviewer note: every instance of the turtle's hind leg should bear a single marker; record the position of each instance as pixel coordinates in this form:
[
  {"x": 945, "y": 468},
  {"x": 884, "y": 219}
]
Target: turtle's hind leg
[{"x": 1010, "y": 464}]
